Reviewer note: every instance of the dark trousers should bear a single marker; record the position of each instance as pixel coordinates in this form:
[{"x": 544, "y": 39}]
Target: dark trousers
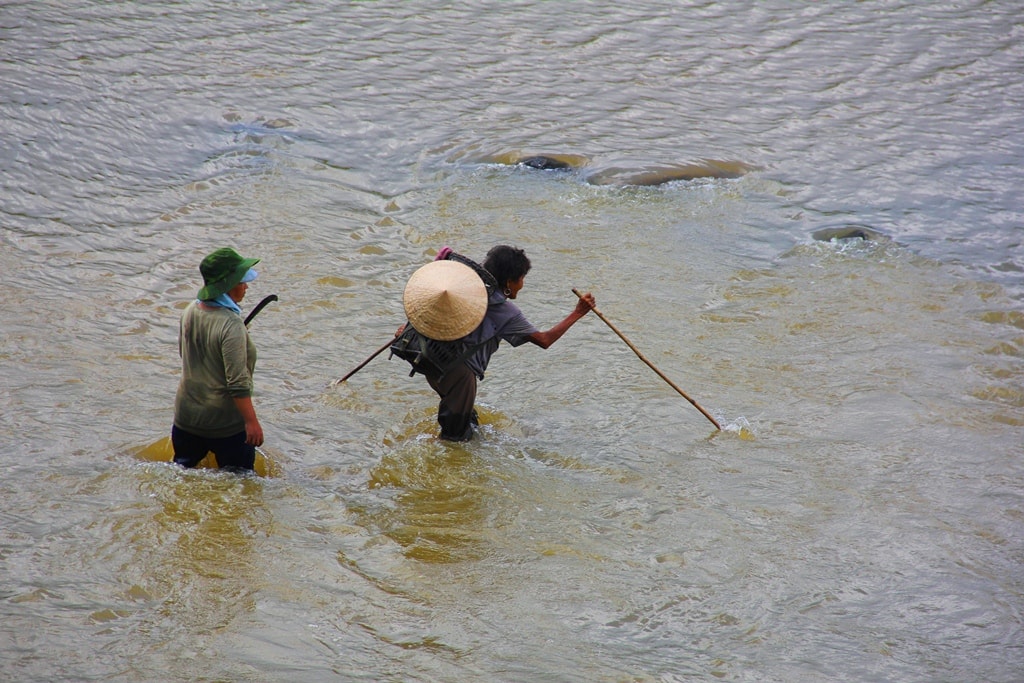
[
  {"x": 455, "y": 414},
  {"x": 231, "y": 451}
]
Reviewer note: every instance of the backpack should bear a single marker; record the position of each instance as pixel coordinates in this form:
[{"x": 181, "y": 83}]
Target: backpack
[{"x": 430, "y": 356}]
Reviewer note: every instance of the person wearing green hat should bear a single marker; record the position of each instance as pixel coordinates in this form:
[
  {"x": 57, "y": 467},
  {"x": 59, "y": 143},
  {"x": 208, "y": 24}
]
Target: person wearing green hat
[{"x": 213, "y": 409}]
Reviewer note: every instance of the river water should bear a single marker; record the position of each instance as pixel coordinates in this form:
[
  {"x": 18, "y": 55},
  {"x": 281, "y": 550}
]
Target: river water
[{"x": 858, "y": 518}]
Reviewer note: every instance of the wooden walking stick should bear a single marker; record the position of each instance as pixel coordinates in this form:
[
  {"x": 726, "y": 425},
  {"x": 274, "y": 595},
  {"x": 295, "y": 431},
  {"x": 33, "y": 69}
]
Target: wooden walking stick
[
  {"x": 649, "y": 363},
  {"x": 363, "y": 364}
]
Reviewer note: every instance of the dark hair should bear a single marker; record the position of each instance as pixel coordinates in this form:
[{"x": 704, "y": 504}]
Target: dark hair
[{"x": 506, "y": 264}]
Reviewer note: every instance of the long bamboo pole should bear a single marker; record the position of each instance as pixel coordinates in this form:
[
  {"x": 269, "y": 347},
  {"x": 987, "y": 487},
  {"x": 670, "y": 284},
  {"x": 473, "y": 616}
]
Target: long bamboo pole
[
  {"x": 363, "y": 364},
  {"x": 649, "y": 363}
]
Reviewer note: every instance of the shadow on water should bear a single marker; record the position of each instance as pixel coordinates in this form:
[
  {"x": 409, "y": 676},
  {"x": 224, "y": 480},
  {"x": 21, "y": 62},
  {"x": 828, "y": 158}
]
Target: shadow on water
[
  {"x": 448, "y": 496},
  {"x": 196, "y": 562},
  {"x": 174, "y": 572}
]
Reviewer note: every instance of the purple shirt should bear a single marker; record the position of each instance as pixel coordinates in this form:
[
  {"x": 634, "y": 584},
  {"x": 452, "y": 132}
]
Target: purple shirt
[{"x": 503, "y": 321}]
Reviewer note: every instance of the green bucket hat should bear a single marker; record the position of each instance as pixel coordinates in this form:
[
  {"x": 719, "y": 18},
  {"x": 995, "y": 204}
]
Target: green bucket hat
[{"x": 222, "y": 270}]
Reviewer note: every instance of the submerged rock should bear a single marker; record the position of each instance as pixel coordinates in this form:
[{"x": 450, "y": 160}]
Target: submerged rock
[
  {"x": 660, "y": 175},
  {"x": 849, "y": 232},
  {"x": 622, "y": 177},
  {"x": 545, "y": 163}
]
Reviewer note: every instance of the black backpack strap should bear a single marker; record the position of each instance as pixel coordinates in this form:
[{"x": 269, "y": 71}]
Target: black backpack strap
[{"x": 489, "y": 282}]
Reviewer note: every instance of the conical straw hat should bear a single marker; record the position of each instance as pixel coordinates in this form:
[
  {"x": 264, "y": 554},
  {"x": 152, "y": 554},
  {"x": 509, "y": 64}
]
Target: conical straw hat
[{"x": 445, "y": 300}]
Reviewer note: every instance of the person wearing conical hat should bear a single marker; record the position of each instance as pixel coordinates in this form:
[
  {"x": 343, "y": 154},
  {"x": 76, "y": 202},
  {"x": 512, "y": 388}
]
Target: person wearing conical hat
[
  {"x": 446, "y": 301},
  {"x": 213, "y": 409}
]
